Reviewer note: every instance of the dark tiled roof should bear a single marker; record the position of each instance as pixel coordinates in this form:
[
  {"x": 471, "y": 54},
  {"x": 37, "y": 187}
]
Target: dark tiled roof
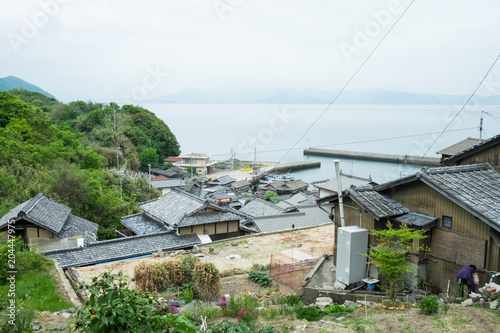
[
  {"x": 346, "y": 182},
  {"x": 377, "y": 205},
  {"x": 172, "y": 207},
  {"x": 413, "y": 219},
  {"x": 116, "y": 249},
  {"x": 472, "y": 150},
  {"x": 475, "y": 187},
  {"x": 259, "y": 207},
  {"x": 209, "y": 217},
  {"x": 76, "y": 226},
  {"x": 140, "y": 224},
  {"x": 224, "y": 180},
  {"x": 13, "y": 213},
  {"x": 308, "y": 216},
  {"x": 42, "y": 211},
  {"x": 241, "y": 184},
  {"x": 166, "y": 183},
  {"x": 459, "y": 147}
]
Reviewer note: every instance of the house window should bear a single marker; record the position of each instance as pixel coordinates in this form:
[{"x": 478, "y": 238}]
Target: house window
[{"x": 447, "y": 221}]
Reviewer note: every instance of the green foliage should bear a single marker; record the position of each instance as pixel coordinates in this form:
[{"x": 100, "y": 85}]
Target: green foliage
[
  {"x": 7, "y": 251},
  {"x": 337, "y": 309},
  {"x": 390, "y": 255},
  {"x": 200, "y": 309},
  {"x": 309, "y": 313},
  {"x": 228, "y": 327},
  {"x": 446, "y": 307},
  {"x": 261, "y": 278},
  {"x": 167, "y": 165},
  {"x": 113, "y": 307},
  {"x": 187, "y": 295},
  {"x": 429, "y": 305},
  {"x": 149, "y": 156},
  {"x": 37, "y": 156},
  {"x": 268, "y": 329},
  {"x": 235, "y": 303},
  {"x": 270, "y": 194},
  {"x": 260, "y": 267}
]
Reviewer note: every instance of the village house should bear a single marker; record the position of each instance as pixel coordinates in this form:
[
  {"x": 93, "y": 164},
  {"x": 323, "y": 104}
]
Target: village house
[
  {"x": 486, "y": 151},
  {"x": 330, "y": 187},
  {"x": 285, "y": 187},
  {"x": 185, "y": 214},
  {"x": 459, "y": 206},
  {"x": 47, "y": 224},
  {"x": 457, "y": 148},
  {"x": 199, "y": 161}
]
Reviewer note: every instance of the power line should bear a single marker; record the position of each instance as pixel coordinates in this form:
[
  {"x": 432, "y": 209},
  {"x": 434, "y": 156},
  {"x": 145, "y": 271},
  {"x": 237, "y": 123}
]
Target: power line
[
  {"x": 461, "y": 109},
  {"x": 354, "y": 142},
  {"x": 348, "y": 81}
]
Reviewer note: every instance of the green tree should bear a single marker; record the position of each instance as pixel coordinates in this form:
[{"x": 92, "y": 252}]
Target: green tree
[
  {"x": 149, "y": 156},
  {"x": 92, "y": 160},
  {"x": 391, "y": 255}
]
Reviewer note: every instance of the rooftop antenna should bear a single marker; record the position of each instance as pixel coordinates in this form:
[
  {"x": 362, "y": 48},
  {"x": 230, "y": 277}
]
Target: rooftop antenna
[{"x": 308, "y": 146}]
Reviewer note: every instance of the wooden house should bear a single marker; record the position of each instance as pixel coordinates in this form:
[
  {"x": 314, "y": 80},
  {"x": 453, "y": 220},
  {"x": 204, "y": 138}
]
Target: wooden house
[
  {"x": 459, "y": 206},
  {"x": 47, "y": 224},
  {"x": 487, "y": 151},
  {"x": 184, "y": 213}
]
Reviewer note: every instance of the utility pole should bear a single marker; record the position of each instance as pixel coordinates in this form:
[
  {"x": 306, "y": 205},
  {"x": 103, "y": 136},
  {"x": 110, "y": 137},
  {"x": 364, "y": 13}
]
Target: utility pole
[
  {"x": 149, "y": 177},
  {"x": 121, "y": 188},
  {"x": 481, "y": 128},
  {"x": 117, "y": 158}
]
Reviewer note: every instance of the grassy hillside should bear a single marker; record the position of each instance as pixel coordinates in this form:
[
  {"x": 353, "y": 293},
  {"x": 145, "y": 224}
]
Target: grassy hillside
[{"x": 62, "y": 151}]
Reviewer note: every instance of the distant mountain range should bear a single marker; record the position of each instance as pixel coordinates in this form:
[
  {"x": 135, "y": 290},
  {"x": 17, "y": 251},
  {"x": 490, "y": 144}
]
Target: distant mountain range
[
  {"x": 12, "y": 82},
  {"x": 280, "y": 95}
]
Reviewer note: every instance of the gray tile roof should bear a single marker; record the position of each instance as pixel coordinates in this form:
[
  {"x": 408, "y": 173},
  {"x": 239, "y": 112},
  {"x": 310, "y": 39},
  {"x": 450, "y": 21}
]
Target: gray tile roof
[
  {"x": 476, "y": 188},
  {"x": 224, "y": 180},
  {"x": 76, "y": 226},
  {"x": 140, "y": 224},
  {"x": 167, "y": 183},
  {"x": 472, "y": 150},
  {"x": 240, "y": 184},
  {"x": 376, "y": 204},
  {"x": 209, "y": 217},
  {"x": 459, "y": 147},
  {"x": 308, "y": 216},
  {"x": 172, "y": 207},
  {"x": 122, "y": 248},
  {"x": 13, "y": 213},
  {"x": 346, "y": 182},
  {"x": 259, "y": 207},
  {"x": 413, "y": 219}
]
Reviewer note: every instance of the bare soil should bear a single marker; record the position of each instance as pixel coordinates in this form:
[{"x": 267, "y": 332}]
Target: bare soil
[{"x": 314, "y": 242}]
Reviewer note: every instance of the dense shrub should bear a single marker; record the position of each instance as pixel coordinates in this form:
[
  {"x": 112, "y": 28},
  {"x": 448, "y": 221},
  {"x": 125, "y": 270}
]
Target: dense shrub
[
  {"x": 310, "y": 314},
  {"x": 113, "y": 307},
  {"x": 429, "y": 304},
  {"x": 261, "y": 278},
  {"x": 228, "y": 327},
  {"x": 268, "y": 329},
  {"x": 337, "y": 309}
]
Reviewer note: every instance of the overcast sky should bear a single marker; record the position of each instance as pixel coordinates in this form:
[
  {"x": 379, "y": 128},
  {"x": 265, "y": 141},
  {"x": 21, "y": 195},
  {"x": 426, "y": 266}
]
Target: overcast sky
[{"x": 101, "y": 50}]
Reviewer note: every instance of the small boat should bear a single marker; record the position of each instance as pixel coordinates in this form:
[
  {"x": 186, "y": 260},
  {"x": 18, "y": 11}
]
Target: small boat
[{"x": 284, "y": 178}]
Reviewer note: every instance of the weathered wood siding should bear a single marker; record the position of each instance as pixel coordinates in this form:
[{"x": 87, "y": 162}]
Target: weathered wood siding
[
  {"x": 421, "y": 198},
  {"x": 211, "y": 228},
  {"x": 490, "y": 155}
]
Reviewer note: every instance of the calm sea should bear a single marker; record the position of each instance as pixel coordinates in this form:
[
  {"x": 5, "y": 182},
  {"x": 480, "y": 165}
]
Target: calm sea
[{"x": 274, "y": 129}]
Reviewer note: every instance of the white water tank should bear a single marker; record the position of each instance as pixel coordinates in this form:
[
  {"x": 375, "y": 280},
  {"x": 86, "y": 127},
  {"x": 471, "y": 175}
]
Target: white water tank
[{"x": 352, "y": 244}]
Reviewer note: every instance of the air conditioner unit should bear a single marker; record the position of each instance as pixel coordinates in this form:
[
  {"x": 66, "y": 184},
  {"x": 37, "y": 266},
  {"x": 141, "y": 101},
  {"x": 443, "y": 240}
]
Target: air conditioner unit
[{"x": 352, "y": 244}]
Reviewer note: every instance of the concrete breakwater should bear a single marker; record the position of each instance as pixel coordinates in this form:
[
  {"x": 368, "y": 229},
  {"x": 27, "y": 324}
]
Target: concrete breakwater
[{"x": 404, "y": 159}]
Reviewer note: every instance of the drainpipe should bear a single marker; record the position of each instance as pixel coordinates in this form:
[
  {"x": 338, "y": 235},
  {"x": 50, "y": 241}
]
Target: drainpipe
[{"x": 339, "y": 192}]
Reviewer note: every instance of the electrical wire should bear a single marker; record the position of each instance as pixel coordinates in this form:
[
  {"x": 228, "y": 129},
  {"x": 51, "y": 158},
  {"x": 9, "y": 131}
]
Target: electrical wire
[
  {"x": 353, "y": 142},
  {"x": 348, "y": 81},
  {"x": 461, "y": 109}
]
